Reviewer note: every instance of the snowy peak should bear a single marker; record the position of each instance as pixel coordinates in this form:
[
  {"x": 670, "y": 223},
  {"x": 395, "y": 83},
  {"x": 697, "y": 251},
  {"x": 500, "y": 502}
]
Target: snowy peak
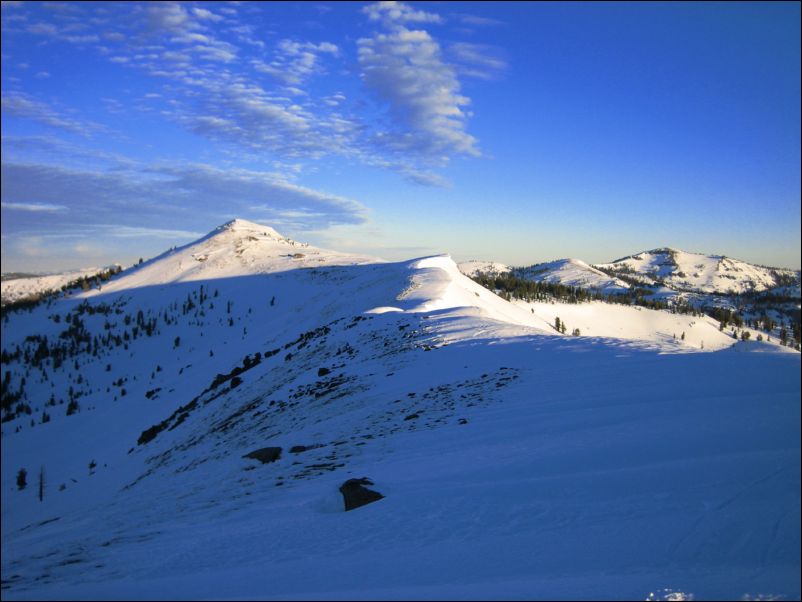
[
  {"x": 236, "y": 248},
  {"x": 242, "y": 226}
]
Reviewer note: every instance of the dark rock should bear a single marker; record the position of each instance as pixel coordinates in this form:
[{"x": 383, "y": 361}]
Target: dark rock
[
  {"x": 463, "y": 421},
  {"x": 355, "y": 494},
  {"x": 297, "y": 449},
  {"x": 412, "y": 417},
  {"x": 265, "y": 454},
  {"x": 323, "y": 371}
]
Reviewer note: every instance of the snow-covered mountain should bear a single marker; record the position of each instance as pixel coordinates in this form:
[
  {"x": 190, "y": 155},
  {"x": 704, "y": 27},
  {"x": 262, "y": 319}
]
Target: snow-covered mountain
[
  {"x": 514, "y": 461},
  {"x": 695, "y": 272},
  {"x": 667, "y": 269},
  {"x": 237, "y": 248}
]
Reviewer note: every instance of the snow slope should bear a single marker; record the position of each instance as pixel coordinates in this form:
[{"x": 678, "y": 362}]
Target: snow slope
[
  {"x": 696, "y": 272},
  {"x": 516, "y": 462},
  {"x": 572, "y": 272},
  {"x": 20, "y": 288},
  {"x": 661, "y": 328},
  {"x": 473, "y": 267}
]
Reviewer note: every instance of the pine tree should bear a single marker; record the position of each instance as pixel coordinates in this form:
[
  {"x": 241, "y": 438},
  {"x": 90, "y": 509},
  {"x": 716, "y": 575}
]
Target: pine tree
[
  {"x": 42, "y": 483},
  {"x": 22, "y": 479}
]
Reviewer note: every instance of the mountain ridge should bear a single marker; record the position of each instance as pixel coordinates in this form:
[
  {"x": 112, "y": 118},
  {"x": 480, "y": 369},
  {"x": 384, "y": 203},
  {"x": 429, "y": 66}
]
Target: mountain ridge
[{"x": 508, "y": 454}]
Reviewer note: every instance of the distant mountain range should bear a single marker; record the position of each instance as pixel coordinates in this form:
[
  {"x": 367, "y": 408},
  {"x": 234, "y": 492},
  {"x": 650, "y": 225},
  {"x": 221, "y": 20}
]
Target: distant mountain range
[{"x": 667, "y": 272}]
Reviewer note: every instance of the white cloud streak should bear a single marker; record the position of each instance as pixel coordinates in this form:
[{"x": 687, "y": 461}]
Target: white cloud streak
[
  {"x": 392, "y": 13},
  {"x": 159, "y": 193},
  {"x": 405, "y": 69},
  {"x": 19, "y": 104},
  {"x": 35, "y": 207}
]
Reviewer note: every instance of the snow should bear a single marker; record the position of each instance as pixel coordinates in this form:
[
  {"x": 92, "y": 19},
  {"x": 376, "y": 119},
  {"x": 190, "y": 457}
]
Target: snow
[
  {"x": 698, "y": 272},
  {"x": 573, "y": 272},
  {"x": 661, "y": 328},
  {"x": 473, "y": 267},
  {"x": 619, "y": 465},
  {"x": 19, "y": 288},
  {"x": 237, "y": 248}
]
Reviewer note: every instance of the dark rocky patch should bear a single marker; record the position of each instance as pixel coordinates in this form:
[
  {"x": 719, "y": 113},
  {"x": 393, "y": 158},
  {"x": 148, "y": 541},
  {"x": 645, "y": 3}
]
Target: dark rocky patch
[
  {"x": 323, "y": 371},
  {"x": 297, "y": 449},
  {"x": 265, "y": 454},
  {"x": 355, "y": 494}
]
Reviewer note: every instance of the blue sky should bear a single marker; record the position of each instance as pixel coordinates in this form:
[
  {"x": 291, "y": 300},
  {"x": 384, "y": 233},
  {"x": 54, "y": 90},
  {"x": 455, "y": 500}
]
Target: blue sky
[{"x": 519, "y": 132}]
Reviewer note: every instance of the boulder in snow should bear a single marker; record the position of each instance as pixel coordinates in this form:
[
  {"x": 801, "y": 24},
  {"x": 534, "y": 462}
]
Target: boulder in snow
[
  {"x": 355, "y": 494},
  {"x": 265, "y": 455}
]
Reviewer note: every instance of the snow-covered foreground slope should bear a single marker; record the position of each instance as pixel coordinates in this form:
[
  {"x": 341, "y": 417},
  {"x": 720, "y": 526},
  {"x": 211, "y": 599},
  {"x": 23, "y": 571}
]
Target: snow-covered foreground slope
[{"x": 515, "y": 462}]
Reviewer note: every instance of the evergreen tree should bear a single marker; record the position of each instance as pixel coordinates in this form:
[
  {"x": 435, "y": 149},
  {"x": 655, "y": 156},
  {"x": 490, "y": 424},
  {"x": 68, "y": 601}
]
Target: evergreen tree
[
  {"x": 42, "y": 483},
  {"x": 22, "y": 479}
]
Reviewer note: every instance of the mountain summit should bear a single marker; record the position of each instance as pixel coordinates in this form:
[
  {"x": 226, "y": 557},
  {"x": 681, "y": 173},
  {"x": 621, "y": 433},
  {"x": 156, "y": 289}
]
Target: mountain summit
[{"x": 236, "y": 248}]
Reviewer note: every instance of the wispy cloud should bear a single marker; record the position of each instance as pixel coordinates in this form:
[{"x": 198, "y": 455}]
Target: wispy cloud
[
  {"x": 169, "y": 16},
  {"x": 478, "y": 60},
  {"x": 406, "y": 69},
  {"x": 295, "y": 61},
  {"x": 477, "y": 20},
  {"x": 22, "y": 105},
  {"x": 35, "y": 207},
  {"x": 256, "y": 94},
  {"x": 150, "y": 195},
  {"x": 395, "y": 13},
  {"x": 116, "y": 231}
]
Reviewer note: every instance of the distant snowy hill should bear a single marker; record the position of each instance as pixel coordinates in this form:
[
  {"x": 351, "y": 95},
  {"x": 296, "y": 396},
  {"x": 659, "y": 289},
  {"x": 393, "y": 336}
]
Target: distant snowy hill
[
  {"x": 572, "y": 272},
  {"x": 471, "y": 268},
  {"x": 196, "y": 419},
  {"x": 21, "y": 288},
  {"x": 666, "y": 268},
  {"x": 695, "y": 272}
]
